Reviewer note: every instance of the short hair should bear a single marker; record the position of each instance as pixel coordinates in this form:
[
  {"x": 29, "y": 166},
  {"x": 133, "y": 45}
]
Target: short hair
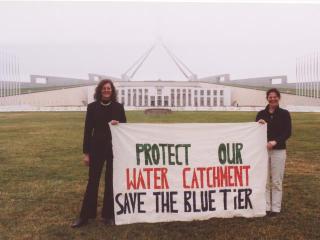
[
  {"x": 97, "y": 94},
  {"x": 273, "y": 90}
]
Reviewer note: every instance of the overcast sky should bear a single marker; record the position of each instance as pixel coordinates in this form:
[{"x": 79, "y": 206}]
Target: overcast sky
[{"x": 76, "y": 38}]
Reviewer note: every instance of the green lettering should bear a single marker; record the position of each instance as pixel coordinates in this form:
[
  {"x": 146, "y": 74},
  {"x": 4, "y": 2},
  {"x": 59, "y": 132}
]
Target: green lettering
[
  {"x": 170, "y": 154},
  {"x": 139, "y": 149},
  {"x": 239, "y": 147},
  {"x": 155, "y": 154},
  {"x": 147, "y": 157},
  {"x": 222, "y": 153}
]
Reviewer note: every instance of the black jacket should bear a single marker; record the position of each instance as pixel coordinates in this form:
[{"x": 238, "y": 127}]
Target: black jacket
[
  {"x": 279, "y": 125},
  {"x": 97, "y": 134}
]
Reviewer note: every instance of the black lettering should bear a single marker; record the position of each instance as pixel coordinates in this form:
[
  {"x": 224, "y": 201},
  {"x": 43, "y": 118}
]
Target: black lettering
[
  {"x": 225, "y": 193},
  {"x": 119, "y": 204},
  {"x": 187, "y": 205}
]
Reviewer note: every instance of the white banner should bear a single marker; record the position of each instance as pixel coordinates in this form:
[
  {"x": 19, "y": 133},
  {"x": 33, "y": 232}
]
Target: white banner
[{"x": 184, "y": 172}]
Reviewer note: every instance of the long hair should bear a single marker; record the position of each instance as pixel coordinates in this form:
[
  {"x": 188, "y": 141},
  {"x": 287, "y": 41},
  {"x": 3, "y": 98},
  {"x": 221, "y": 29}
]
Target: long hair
[{"x": 97, "y": 94}]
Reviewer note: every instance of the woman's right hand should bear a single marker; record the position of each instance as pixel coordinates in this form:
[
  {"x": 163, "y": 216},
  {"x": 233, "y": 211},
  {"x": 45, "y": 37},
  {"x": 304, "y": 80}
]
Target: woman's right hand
[{"x": 86, "y": 159}]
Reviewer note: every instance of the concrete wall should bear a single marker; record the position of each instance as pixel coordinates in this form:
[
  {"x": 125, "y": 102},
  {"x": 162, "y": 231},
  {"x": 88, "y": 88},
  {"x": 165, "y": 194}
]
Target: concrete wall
[
  {"x": 251, "y": 82},
  {"x": 215, "y": 78},
  {"x": 51, "y": 81},
  {"x": 260, "y": 81},
  {"x": 97, "y": 77},
  {"x": 251, "y": 97},
  {"x": 64, "y": 97}
]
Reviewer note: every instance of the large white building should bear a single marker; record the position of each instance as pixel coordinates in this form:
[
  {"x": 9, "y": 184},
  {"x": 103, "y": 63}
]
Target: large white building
[
  {"x": 200, "y": 94},
  {"x": 176, "y": 95},
  {"x": 170, "y": 94}
]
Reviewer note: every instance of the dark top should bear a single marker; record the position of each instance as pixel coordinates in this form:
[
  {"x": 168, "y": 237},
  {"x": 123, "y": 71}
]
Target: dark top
[
  {"x": 279, "y": 125},
  {"x": 97, "y": 134}
]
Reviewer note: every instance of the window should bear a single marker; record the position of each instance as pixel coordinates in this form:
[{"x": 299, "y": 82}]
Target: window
[
  {"x": 166, "y": 101},
  {"x": 208, "y": 92},
  {"x": 134, "y": 97},
  {"x": 153, "y": 101},
  {"x": 159, "y": 91},
  {"x": 172, "y": 97},
  {"x": 276, "y": 81},
  {"x": 208, "y": 101},
  {"x": 140, "y": 100},
  {"x": 189, "y": 97},
  {"x": 159, "y": 102},
  {"x": 196, "y": 102},
  {"x": 139, "y": 97},
  {"x": 122, "y": 92},
  {"x": 215, "y": 92},
  {"x": 129, "y": 97},
  {"x": 178, "y": 97},
  {"x": 41, "y": 80},
  {"x": 202, "y": 101},
  {"x": 215, "y": 101},
  {"x": 201, "y": 92},
  {"x": 184, "y": 98},
  {"x": 146, "y": 100},
  {"x": 221, "y": 92},
  {"x": 221, "y": 101}
]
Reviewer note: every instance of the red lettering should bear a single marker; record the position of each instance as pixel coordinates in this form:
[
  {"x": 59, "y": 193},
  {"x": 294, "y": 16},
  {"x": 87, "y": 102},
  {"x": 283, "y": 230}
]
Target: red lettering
[
  {"x": 194, "y": 180},
  {"x": 142, "y": 179},
  {"x": 184, "y": 177},
  {"x": 164, "y": 183},
  {"x": 247, "y": 174},
  {"x": 131, "y": 183}
]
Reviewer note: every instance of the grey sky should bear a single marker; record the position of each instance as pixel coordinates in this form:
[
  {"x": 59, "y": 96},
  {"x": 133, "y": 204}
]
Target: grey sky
[{"x": 73, "y": 39}]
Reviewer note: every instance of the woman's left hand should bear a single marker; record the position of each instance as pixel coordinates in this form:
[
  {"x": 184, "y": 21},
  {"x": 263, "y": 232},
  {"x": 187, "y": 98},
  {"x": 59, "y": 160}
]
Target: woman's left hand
[
  {"x": 114, "y": 122},
  {"x": 271, "y": 144},
  {"x": 261, "y": 121}
]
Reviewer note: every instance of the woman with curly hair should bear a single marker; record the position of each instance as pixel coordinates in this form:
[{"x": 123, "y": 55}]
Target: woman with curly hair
[{"x": 97, "y": 149}]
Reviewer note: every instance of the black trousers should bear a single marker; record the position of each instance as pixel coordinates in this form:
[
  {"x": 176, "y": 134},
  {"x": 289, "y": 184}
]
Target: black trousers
[{"x": 89, "y": 205}]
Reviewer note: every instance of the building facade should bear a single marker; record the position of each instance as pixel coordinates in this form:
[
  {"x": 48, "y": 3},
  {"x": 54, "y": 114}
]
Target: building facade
[
  {"x": 176, "y": 95},
  {"x": 170, "y": 94}
]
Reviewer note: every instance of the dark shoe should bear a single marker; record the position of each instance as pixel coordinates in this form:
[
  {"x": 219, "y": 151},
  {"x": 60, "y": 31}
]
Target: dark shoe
[
  {"x": 273, "y": 214},
  {"x": 268, "y": 213},
  {"x": 79, "y": 222},
  {"x": 109, "y": 222}
]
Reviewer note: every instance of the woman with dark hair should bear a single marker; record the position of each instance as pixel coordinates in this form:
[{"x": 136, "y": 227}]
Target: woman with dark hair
[
  {"x": 279, "y": 130},
  {"x": 97, "y": 148}
]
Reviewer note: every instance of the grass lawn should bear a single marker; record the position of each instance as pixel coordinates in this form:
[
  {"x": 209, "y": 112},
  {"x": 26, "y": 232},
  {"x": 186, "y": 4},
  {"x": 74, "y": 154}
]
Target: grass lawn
[{"x": 42, "y": 182}]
